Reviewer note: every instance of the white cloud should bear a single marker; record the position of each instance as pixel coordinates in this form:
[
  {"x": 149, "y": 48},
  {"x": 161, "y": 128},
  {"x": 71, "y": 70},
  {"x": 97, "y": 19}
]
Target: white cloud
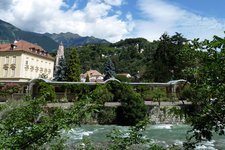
[
  {"x": 102, "y": 19},
  {"x": 4, "y": 4},
  {"x": 161, "y": 17},
  {"x": 130, "y": 23},
  {"x": 97, "y": 18},
  {"x": 114, "y": 2},
  {"x": 95, "y": 10}
]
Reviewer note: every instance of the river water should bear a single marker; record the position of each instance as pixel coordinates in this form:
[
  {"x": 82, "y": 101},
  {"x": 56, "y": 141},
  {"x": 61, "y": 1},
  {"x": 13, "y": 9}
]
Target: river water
[{"x": 162, "y": 134}]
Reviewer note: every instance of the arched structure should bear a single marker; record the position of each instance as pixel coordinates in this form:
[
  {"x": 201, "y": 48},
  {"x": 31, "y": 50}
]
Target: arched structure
[
  {"x": 173, "y": 87},
  {"x": 178, "y": 84},
  {"x": 111, "y": 79}
]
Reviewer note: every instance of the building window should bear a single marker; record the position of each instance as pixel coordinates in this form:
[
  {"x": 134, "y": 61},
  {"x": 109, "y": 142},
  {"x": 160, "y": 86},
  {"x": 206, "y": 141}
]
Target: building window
[
  {"x": 36, "y": 69},
  {"x": 26, "y": 62},
  {"x": 31, "y": 68},
  {"x": 6, "y": 59},
  {"x": 14, "y": 60},
  {"x": 32, "y": 62},
  {"x": 13, "y": 73},
  {"x": 5, "y": 72}
]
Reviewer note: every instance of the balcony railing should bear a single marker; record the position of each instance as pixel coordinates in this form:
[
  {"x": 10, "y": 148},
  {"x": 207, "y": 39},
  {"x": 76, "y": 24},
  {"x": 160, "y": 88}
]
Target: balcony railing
[
  {"x": 13, "y": 66},
  {"x": 5, "y": 66}
]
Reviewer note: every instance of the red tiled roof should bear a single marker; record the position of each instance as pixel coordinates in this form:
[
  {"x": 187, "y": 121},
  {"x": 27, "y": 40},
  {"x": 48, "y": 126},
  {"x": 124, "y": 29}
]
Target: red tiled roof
[
  {"x": 25, "y": 46},
  {"x": 93, "y": 73},
  {"x": 4, "y": 47}
]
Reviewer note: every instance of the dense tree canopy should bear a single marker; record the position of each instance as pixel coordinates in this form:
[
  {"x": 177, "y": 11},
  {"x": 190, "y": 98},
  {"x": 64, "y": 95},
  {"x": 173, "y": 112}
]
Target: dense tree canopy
[
  {"x": 160, "y": 60},
  {"x": 208, "y": 88},
  {"x": 73, "y": 66},
  {"x": 132, "y": 109},
  {"x": 165, "y": 61}
]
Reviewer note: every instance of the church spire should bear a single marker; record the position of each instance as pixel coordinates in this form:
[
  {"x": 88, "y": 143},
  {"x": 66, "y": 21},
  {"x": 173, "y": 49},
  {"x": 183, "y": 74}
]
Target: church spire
[
  {"x": 60, "y": 53},
  {"x": 61, "y": 44}
]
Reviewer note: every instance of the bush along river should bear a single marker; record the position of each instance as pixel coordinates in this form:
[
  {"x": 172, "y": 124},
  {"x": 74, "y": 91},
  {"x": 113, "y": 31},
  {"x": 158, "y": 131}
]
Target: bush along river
[{"x": 162, "y": 134}]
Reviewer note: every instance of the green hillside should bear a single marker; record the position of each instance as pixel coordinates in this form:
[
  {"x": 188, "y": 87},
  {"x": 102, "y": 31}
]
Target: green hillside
[{"x": 158, "y": 61}]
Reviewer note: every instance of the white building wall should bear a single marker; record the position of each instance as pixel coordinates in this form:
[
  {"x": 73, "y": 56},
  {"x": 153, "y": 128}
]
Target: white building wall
[
  {"x": 27, "y": 66},
  {"x": 34, "y": 66},
  {"x": 10, "y": 65},
  {"x": 1, "y": 65}
]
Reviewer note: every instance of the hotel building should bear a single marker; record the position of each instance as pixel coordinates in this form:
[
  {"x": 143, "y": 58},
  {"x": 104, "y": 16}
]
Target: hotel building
[{"x": 23, "y": 61}]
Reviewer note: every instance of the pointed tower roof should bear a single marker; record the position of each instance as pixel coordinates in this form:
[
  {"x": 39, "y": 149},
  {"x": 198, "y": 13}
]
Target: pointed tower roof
[{"x": 60, "y": 53}]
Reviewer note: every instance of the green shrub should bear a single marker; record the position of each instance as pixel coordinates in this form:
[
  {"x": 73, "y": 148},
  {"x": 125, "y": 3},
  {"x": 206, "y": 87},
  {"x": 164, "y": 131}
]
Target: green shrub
[
  {"x": 8, "y": 89},
  {"x": 123, "y": 78},
  {"x": 101, "y": 95},
  {"x": 47, "y": 91},
  {"x": 132, "y": 109},
  {"x": 129, "y": 140},
  {"x": 73, "y": 92},
  {"x": 115, "y": 88},
  {"x": 107, "y": 115},
  {"x": 186, "y": 93},
  {"x": 158, "y": 95}
]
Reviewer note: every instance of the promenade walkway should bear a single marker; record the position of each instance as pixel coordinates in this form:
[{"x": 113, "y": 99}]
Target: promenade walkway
[{"x": 116, "y": 104}]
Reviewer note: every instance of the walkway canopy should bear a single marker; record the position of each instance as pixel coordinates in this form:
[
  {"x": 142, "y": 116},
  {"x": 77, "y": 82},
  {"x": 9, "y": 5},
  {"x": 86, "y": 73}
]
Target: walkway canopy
[
  {"x": 173, "y": 86},
  {"x": 176, "y": 82}
]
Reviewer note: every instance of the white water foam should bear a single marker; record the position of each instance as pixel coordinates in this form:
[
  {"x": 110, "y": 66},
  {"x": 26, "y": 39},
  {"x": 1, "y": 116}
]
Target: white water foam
[
  {"x": 155, "y": 141},
  {"x": 162, "y": 126},
  {"x": 207, "y": 145},
  {"x": 78, "y": 134},
  {"x": 178, "y": 143}
]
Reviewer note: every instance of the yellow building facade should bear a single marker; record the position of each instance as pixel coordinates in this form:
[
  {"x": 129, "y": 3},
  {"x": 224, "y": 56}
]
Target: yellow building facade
[{"x": 23, "y": 61}]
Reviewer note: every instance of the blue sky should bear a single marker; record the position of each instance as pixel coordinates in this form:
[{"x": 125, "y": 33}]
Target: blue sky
[
  {"x": 118, "y": 19},
  {"x": 210, "y": 8}
]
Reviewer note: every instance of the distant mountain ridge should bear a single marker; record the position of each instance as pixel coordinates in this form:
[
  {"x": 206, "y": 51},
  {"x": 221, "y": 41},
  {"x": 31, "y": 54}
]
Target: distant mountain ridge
[
  {"x": 50, "y": 42},
  {"x": 10, "y": 33},
  {"x": 71, "y": 40}
]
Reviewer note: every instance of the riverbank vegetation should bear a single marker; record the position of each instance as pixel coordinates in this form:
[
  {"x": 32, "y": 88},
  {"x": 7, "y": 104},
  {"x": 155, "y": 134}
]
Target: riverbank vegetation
[{"x": 31, "y": 124}]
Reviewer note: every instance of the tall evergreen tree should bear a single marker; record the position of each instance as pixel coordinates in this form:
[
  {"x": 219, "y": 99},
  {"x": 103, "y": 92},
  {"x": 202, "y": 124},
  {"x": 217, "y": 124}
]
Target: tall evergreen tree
[
  {"x": 161, "y": 60},
  {"x": 165, "y": 65},
  {"x": 60, "y": 70},
  {"x": 73, "y": 66},
  {"x": 109, "y": 69},
  {"x": 179, "y": 44}
]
